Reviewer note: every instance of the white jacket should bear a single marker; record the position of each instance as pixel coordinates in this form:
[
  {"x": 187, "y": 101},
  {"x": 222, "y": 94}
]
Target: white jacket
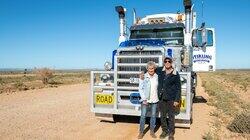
[{"x": 148, "y": 88}]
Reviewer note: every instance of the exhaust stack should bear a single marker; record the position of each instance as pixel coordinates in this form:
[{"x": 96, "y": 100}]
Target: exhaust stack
[
  {"x": 134, "y": 17},
  {"x": 188, "y": 9},
  {"x": 121, "y": 13}
]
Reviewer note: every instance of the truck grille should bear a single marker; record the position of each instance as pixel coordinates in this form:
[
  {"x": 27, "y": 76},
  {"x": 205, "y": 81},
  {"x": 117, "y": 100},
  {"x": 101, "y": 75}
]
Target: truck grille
[{"x": 131, "y": 62}]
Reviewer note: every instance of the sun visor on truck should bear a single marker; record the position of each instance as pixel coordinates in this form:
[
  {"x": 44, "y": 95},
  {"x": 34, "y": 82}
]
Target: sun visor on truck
[
  {"x": 157, "y": 26},
  {"x": 140, "y": 42}
]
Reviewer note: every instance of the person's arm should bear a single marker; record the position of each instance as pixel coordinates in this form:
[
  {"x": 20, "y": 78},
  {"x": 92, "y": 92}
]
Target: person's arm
[
  {"x": 141, "y": 75},
  {"x": 178, "y": 90},
  {"x": 141, "y": 90},
  {"x": 158, "y": 70}
]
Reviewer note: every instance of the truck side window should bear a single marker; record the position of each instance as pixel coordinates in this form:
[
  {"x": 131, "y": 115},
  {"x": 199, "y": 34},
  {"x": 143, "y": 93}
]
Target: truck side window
[
  {"x": 209, "y": 38},
  {"x": 198, "y": 38}
]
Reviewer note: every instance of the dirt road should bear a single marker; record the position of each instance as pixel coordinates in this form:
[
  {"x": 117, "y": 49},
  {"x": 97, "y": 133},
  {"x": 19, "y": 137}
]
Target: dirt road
[{"x": 63, "y": 113}]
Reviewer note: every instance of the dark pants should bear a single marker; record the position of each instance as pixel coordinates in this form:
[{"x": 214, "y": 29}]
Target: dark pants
[{"x": 167, "y": 110}]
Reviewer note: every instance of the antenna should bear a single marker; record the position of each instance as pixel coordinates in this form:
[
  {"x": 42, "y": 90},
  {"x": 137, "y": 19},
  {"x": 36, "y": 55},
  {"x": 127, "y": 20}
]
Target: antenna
[
  {"x": 126, "y": 3},
  {"x": 202, "y": 7}
]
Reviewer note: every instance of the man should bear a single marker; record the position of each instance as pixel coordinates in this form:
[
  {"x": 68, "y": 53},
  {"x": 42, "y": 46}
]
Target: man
[
  {"x": 169, "y": 93},
  {"x": 149, "y": 98}
]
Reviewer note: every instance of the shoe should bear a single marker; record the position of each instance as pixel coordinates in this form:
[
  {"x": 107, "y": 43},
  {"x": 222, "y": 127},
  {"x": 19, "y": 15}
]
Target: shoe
[
  {"x": 163, "y": 135},
  {"x": 140, "y": 136},
  {"x": 171, "y": 137},
  {"x": 152, "y": 134}
]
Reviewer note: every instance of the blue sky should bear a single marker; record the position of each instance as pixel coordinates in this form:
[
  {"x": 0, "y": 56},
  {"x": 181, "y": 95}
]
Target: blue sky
[{"x": 82, "y": 33}]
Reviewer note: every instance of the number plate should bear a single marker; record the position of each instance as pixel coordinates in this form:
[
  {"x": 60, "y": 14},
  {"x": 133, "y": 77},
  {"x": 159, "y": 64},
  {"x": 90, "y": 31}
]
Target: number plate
[
  {"x": 104, "y": 99},
  {"x": 134, "y": 80}
]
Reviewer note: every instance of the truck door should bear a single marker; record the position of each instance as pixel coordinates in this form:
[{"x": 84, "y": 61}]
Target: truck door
[{"x": 204, "y": 50}]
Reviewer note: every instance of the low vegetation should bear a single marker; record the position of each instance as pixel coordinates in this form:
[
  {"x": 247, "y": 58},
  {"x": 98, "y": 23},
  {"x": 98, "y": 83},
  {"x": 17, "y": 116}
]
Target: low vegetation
[
  {"x": 45, "y": 74},
  {"x": 227, "y": 91},
  {"x": 241, "y": 79},
  {"x": 208, "y": 136},
  {"x": 240, "y": 123},
  {"x": 40, "y": 78}
]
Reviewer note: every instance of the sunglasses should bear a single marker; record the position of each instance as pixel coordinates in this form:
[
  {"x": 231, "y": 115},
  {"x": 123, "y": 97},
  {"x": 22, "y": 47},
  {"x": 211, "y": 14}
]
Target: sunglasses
[{"x": 167, "y": 61}]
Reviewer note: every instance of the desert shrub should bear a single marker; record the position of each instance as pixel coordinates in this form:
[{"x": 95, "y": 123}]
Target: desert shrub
[
  {"x": 218, "y": 96},
  {"x": 54, "y": 82},
  {"x": 241, "y": 123},
  {"x": 210, "y": 136},
  {"x": 1, "y": 81},
  {"x": 245, "y": 106},
  {"x": 70, "y": 78},
  {"x": 207, "y": 136},
  {"x": 19, "y": 85},
  {"x": 227, "y": 103},
  {"x": 240, "y": 78},
  {"x": 44, "y": 74}
]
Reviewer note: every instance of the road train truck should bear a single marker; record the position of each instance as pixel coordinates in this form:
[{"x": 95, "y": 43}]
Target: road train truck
[{"x": 114, "y": 91}]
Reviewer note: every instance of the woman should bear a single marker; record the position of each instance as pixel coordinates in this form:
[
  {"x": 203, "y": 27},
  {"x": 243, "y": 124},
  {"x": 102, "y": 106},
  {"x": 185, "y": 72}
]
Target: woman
[{"x": 149, "y": 98}]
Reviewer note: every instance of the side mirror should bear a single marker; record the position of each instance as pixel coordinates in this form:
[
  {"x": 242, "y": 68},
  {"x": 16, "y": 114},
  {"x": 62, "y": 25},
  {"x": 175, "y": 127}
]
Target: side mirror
[
  {"x": 202, "y": 37},
  {"x": 121, "y": 11}
]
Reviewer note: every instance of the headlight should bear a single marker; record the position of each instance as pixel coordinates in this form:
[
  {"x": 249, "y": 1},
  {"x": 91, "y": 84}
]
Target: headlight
[
  {"x": 105, "y": 78},
  {"x": 107, "y": 66}
]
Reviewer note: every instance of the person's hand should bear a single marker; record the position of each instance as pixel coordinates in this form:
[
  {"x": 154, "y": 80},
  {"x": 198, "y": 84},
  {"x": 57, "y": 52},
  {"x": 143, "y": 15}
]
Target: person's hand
[
  {"x": 142, "y": 75},
  {"x": 176, "y": 104},
  {"x": 145, "y": 102}
]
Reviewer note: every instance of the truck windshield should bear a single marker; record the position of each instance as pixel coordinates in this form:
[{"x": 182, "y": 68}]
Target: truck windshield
[{"x": 171, "y": 36}]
